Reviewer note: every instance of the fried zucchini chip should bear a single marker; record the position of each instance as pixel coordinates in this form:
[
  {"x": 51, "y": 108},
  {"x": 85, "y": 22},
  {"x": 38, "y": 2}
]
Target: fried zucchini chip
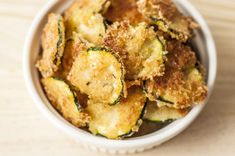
[
  {"x": 53, "y": 42},
  {"x": 118, "y": 121},
  {"x": 99, "y": 74},
  {"x": 84, "y": 17},
  {"x": 177, "y": 89},
  {"x": 165, "y": 15},
  {"x": 162, "y": 114},
  {"x": 120, "y": 10},
  {"x": 142, "y": 52},
  {"x": 65, "y": 101}
]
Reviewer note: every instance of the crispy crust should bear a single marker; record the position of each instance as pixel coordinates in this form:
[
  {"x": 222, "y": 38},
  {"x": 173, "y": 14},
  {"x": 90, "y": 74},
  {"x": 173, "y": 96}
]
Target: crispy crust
[
  {"x": 176, "y": 88},
  {"x": 128, "y": 41},
  {"x": 179, "y": 56},
  {"x": 53, "y": 42},
  {"x": 166, "y": 15},
  {"x": 120, "y": 10},
  {"x": 98, "y": 70},
  {"x": 131, "y": 33},
  {"x": 84, "y": 17},
  {"x": 63, "y": 99},
  {"x": 116, "y": 121},
  {"x": 175, "y": 83}
]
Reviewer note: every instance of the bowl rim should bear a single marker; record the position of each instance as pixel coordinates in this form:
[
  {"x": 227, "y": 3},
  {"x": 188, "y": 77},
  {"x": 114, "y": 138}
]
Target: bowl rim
[{"x": 149, "y": 139}]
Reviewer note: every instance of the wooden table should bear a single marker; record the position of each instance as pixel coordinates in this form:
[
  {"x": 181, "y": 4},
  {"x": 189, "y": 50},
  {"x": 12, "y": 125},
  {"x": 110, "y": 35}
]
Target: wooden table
[{"x": 24, "y": 131}]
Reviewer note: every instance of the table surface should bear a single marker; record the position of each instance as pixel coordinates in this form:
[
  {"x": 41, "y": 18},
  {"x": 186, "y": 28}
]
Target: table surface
[{"x": 24, "y": 130}]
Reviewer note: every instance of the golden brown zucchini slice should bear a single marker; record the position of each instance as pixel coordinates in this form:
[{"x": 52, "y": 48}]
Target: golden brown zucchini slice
[
  {"x": 177, "y": 89},
  {"x": 84, "y": 17},
  {"x": 168, "y": 18},
  {"x": 142, "y": 52},
  {"x": 99, "y": 74},
  {"x": 53, "y": 42},
  {"x": 65, "y": 101},
  {"x": 193, "y": 91},
  {"x": 123, "y": 119},
  {"x": 163, "y": 114}
]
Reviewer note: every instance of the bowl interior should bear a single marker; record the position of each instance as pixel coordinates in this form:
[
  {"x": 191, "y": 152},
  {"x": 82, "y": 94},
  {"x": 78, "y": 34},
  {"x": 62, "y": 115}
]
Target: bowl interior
[{"x": 200, "y": 45}]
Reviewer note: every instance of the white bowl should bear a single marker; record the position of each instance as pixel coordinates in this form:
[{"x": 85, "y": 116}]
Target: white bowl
[{"x": 206, "y": 52}]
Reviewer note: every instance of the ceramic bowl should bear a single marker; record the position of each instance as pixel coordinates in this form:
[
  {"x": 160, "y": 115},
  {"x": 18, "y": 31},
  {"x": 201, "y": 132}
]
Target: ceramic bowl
[{"x": 206, "y": 51}]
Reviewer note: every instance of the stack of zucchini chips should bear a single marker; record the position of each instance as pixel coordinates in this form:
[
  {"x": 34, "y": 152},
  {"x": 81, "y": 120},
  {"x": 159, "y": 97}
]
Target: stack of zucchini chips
[{"x": 109, "y": 65}]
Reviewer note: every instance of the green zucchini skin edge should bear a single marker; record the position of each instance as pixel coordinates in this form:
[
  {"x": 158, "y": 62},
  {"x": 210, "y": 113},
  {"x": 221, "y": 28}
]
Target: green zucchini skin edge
[
  {"x": 129, "y": 134},
  {"x": 154, "y": 19},
  {"x": 97, "y": 49},
  {"x": 158, "y": 98},
  {"x": 170, "y": 30},
  {"x": 76, "y": 101},
  {"x": 157, "y": 118},
  {"x": 163, "y": 100},
  {"x": 59, "y": 47}
]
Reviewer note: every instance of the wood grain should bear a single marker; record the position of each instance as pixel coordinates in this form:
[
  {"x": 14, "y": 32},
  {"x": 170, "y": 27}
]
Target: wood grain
[{"x": 24, "y": 131}]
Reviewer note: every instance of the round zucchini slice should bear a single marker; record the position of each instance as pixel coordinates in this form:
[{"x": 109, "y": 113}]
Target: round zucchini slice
[
  {"x": 163, "y": 114},
  {"x": 178, "y": 89},
  {"x": 65, "y": 101},
  {"x": 193, "y": 91},
  {"x": 121, "y": 120},
  {"x": 53, "y": 43},
  {"x": 99, "y": 74}
]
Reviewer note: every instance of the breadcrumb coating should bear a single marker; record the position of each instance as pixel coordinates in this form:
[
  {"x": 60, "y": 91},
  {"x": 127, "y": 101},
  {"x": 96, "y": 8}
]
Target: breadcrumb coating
[
  {"x": 128, "y": 41},
  {"x": 121, "y": 10},
  {"x": 126, "y": 53},
  {"x": 179, "y": 56},
  {"x": 62, "y": 98},
  {"x": 178, "y": 83},
  {"x": 168, "y": 18},
  {"x": 53, "y": 42},
  {"x": 86, "y": 19}
]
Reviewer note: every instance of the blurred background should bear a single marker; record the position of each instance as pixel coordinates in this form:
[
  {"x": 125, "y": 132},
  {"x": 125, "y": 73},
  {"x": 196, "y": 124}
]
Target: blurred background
[{"x": 24, "y": 130}]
